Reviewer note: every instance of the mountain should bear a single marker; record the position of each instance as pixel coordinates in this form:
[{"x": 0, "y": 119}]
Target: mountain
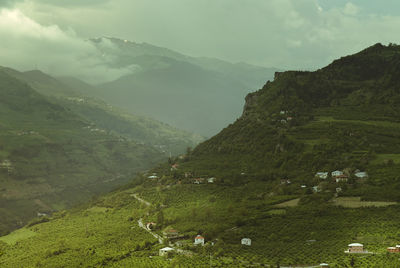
[
  {"x": 197, "y": 94},
  {"x": 73, "y": 94},
  {"x": 256, "y": 179},
  {"x": 52, "y": 158}
]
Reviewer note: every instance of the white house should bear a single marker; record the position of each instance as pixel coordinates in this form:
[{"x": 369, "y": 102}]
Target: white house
[
  {"x": 246, "y": 241},
  {"x": 165, "y": 251},
  {"x": 199, "y": 240},
  {"x": 322, "y": 175},
  {"x": 337, "y": 173},
  {"x": 316, "y": 189},
  {"x": 355, "y": 248},
  {"x": 324, "y": 265},
  {"x": 152, "y": 177},
  {"x": 211, "y": 180},
  {"x": 361, "y": 175}
]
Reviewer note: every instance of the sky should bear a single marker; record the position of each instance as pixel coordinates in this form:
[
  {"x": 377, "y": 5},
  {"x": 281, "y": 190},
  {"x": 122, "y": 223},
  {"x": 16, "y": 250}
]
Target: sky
[{"x": 288, "y": 34}]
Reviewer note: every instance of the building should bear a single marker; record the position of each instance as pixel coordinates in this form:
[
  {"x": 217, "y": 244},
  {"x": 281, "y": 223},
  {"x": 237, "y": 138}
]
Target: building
[
  {"x": 395, "y": 249},
  {"x": 198, "y": 180},
  {"x": 211, "y": 180},
  {"x": 174, "y": 167},
  {"x": 338, "y": 190},
  {"x": 199, "y": 240},
  {"x": 324, "y": 265},
  {"x": 336, "y": 173},
  {"x": 341, "y": 178},
  {"x": 246, "y": 241},
  {"x": 322, "y": 175},
  {"x": 361, "y": 175},
  {"x": 171, "y": 233},
  {"x": 152, "y": 177},
  {"x": 355, "y": 248},
  {"x": 316, "y": 189},
  {"x": 165, "y": 251}
]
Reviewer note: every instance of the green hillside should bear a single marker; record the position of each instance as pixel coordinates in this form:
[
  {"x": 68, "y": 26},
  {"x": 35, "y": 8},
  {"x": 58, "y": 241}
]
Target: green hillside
[
  {"x": 74, "y": 95},
  {"x": 342, "y": 118},
  {"x": 51, "y": 158},
  {"x": 197, "y": 94}
]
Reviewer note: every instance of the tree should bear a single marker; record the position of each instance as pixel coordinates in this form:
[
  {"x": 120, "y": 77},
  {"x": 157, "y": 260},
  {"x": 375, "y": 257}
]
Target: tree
[
  {"x": 352, "y": 262},
  {"x": 160, "y": 218}
]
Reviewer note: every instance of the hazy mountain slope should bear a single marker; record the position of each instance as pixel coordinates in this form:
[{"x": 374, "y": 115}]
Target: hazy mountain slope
[
  {"x": 197, "y": 94},
  {"x": 342, "y": 117},
  {"x": 181, "y": 94},
  {"x": 51, "y": 157},
  {"x": 73, "y": 94}
]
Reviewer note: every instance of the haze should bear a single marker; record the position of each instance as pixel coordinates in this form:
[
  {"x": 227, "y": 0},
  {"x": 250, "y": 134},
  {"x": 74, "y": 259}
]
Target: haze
[{"x": 288, "y": 34}]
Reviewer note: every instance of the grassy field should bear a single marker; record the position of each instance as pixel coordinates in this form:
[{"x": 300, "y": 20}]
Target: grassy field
[
  {"x": 355, "y": 202},
  {"x": 290, "y": 203},
  {"x": 382, "y": 158},
  {"x": 18, "y": 235}
]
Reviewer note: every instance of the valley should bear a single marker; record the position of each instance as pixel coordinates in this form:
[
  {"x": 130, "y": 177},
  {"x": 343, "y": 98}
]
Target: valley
[{"x": 297, "y": 175}]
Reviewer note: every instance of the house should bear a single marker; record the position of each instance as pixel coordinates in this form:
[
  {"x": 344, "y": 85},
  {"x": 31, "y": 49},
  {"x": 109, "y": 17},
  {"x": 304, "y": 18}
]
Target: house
[
  {"x": 188, "y": 174},
  {"x": 211, "y": 180},
  {"x": 316, "y": 189},
  {"x": 285, "y": 181},
  {"x": 283, "y": 121},
  {"x": 395, "y": 249},
  {"x": 322, "y": 175},
  {"x": 246, "y": 241},
  {"x": 341, "y": 178},
  {"x": 355, "y": 248},
  {"x": 152, "y": 177},
  {"x": 303, "y": 186},
  {"x": 199, "y": 240},
  {"x": 282, "y": 112},
  {"x": 361, "y": 175},
  {"x": 289, "y": 118},
  {"x": 5, "y": 164},
  {"x": 324, "y": 265},
  {"x": 174, "y": 167},
  {"x": 39, "y": 214},
  {"x": 171, "y": 233},
  {"x": 337, "y": 173},
  {"x": 165, "y": 251},
  {"x": 198, "y": 180}
]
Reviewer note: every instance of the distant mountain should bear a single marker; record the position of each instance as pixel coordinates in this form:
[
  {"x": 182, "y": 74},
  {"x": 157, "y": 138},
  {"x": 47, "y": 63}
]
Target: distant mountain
[
  {"x": 73, "y": 94},
  {"x": 197, "y": 94}
]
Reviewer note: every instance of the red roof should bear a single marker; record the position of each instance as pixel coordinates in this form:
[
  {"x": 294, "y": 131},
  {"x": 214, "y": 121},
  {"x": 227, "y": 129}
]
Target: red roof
[{"x": 199, "y": 237}]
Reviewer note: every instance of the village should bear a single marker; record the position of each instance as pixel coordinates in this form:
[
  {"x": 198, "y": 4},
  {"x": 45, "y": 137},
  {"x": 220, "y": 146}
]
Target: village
[{"x": 182, "y": 243}]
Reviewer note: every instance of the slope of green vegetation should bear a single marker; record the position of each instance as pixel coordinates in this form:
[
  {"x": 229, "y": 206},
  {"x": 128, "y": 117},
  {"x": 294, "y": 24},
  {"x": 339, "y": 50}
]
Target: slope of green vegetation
[
  {"x": 51, "y": 158},
  {"x": 73, "y": 94},
  {"x": 343, "y": 117}
]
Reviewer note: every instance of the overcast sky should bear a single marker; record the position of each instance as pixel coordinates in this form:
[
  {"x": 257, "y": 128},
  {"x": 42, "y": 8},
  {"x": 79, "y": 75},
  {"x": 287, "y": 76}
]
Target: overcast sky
[{"x": 288, "y": 34}]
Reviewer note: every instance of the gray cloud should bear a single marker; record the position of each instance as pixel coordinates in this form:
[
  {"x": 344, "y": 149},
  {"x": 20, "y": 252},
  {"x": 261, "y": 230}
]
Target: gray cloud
[
  {"x": 27, "y": 44},
  {"x": 295, "y": 34}
]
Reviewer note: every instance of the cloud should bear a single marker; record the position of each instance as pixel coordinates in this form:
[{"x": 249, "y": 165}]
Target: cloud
[
  {"x": 350, "y": 9},
  {"x": 26, "y": 44},
  {"x": 295, "y": 34}
]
